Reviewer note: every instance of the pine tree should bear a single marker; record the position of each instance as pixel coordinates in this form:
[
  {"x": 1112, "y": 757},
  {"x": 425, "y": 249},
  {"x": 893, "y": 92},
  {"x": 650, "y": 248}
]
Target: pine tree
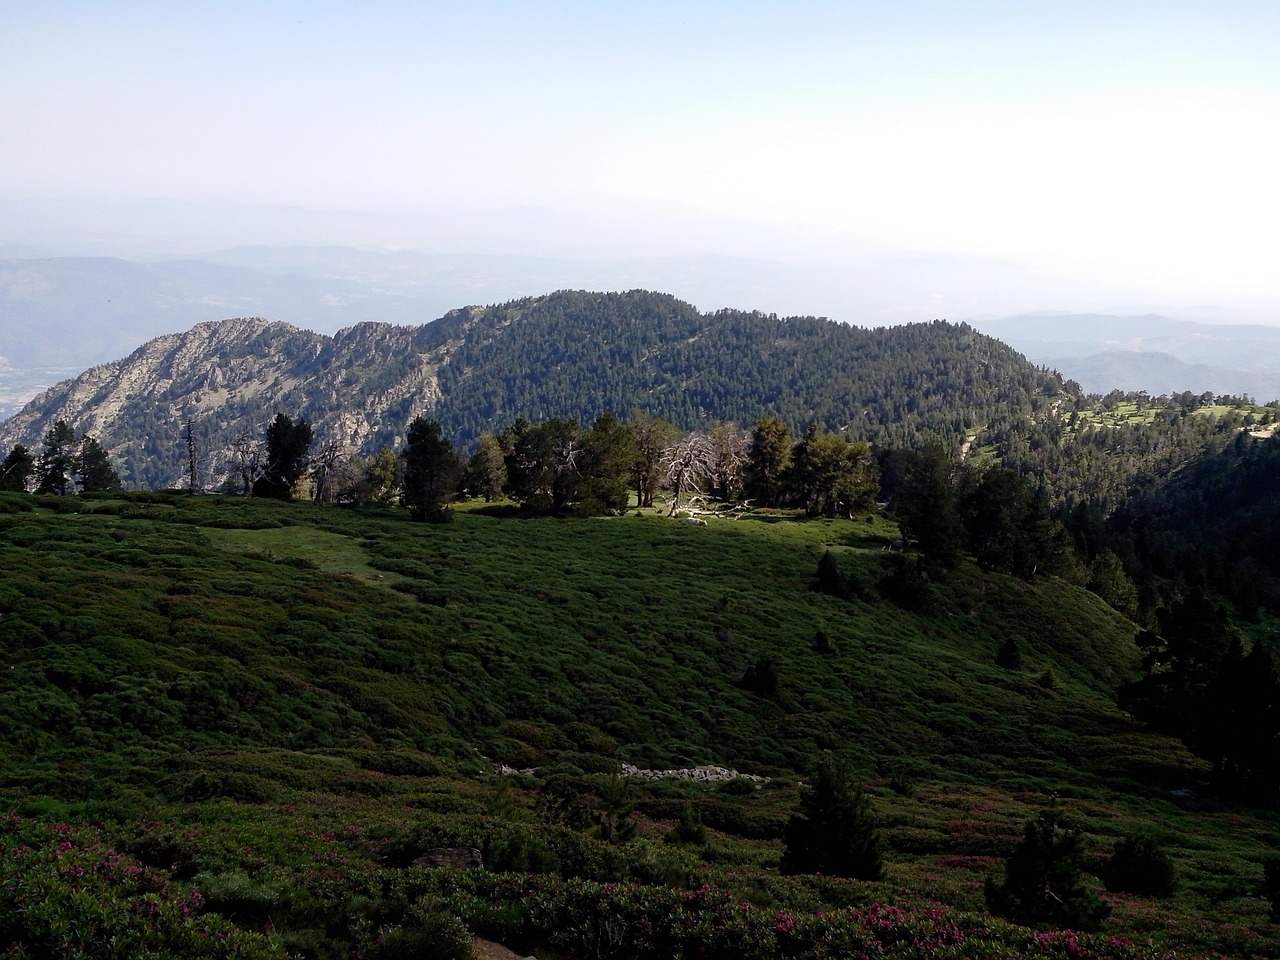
[
  {"x": 651, "y": 437},
  {"x": 486, "y": 473},
  {"x": 768, "y": 460},
  {"x": 431, "y": 471},
  {"x": 93, "y": 467},
  {"x": 829, "y": 579},
  {"x": 834, "y": 831},
  {"x": 381, "y": 481},
  {"x": 925, "y": 506},
  {"x": 604, "y": 465},
  {"x": 689, "y": 828},
  {"x": 17, "y": 468},
  {"x": 1043, "y": 883},
  {"x": 288, "y": 442},
  {"x": 57, "y": 462},
  {"x": 1138, "y": 865}
]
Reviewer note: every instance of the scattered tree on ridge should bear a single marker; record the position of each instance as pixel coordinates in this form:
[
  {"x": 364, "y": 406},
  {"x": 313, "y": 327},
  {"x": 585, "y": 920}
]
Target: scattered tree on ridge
[
  {"x": 652, "y": 438},
  {"x": 432, "y": 471},
  {"x": 288, "y": 443},
  {"x": 768, "y": 459},
  {"x": 486, "y": 473},
  {"x": 93, "y": 467},
  {"x": 17, "y": 468},
  {"x": 542, "y": 472},
  {"x": 608, "y": 451},
  {"x": 729, "y": 446},
  {"x": 832, "y": 476},
  {"x": 689, "y": 460},
  {"x": 924, "y": 504},
  {"x": 57, "y": 463},
  {"x": 245, "y": 463}
]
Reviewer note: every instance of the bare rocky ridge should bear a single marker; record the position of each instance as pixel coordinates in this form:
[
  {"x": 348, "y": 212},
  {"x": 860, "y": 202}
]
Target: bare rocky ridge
[{"x": 228, "y": 378}]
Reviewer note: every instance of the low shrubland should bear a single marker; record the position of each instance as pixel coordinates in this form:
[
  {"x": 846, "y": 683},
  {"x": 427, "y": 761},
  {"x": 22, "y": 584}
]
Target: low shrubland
[{"x": 230, "y": 727}]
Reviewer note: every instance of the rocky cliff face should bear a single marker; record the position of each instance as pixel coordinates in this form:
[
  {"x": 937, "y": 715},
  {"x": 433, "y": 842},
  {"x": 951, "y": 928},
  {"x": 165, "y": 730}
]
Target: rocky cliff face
[{"x": 228, "y": 379}]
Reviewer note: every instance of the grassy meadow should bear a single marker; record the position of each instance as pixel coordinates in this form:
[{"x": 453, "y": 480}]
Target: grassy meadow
[{"x": 228, "y": 727}]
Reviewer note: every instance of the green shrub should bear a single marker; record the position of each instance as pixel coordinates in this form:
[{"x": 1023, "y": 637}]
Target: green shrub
[
  {"x": 1138, "y": 865},
  {"x": 1043, "y": 883},
  {"x": 688, "y": 828},
  {"x": 834, "y": 831}
]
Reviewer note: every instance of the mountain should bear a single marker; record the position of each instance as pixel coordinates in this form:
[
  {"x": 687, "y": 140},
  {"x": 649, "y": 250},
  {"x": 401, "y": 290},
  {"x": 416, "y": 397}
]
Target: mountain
[
  {"x": 567, "y": 354},
  {"x": 1149, "y": 352},
  {"x": 102, "y": 307}
]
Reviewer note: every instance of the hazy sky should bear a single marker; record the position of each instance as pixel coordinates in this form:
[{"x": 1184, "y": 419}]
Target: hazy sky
[{"x": 1116, "y": 149}]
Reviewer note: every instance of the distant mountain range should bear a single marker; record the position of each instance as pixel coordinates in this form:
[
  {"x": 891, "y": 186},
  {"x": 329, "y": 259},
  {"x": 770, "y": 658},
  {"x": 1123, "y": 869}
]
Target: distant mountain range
[
  {"x": 1153, "y": 353},
  {"x": 568, "y": 354},
  {"x": 61, "y": 315}
]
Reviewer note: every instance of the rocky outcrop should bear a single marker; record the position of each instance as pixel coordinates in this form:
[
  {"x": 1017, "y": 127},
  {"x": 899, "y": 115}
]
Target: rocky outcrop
[
  {"x": 461, "y": 858},
  {"x": 703, "y": 774},
  {"x": 358, "y": 389}
]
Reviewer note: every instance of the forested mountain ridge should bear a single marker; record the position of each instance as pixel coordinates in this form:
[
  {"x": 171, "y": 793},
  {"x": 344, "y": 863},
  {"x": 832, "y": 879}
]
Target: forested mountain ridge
[{"x": 567, "y": 354}]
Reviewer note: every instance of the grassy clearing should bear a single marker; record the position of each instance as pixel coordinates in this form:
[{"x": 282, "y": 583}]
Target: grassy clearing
[{"x": 328, "y": 551}]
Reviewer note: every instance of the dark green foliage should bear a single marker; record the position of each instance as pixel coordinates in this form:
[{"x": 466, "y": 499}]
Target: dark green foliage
[
  {"x": 831, "y": 476},
  {"x": 834, "y": 830},
  {"x": 541, "y": 464},
  {"x": 761, "y": 678},
  {"x": 1199, "y": 684},
  {"x": 605, "y": 464},
  {"x": 829, "y": 579},
  {"x": 768, "y": 460},
  {"x": 486, "y": 472},
  {"x": 822, "y": 643},
  {"x": 1007, "y": 527},
  {"x": 426, "y": 930},
  {"x": 94, "y": 472},
  {"x": 380, "y": 480},
  {"x": 288, "y": 443},
  {"x": 250, "y": 692},
  {"x": 924, "y": 501},
  {"x": 689, "y": 828},
  {"x": 650, "y": 437},
  {"x": 1043, "y": 884},
  {"x": 1139, "y": 865},
  {"x": 1009, "y": 656},
  {"x": 432, "y": 471},
  {"x": 1271, "y": 885},
  {"x": 1236, "y": 722},
  {"x": 57, "y": 461},
  {"x": 613, "y": 812},
  {"x": 17, "y": 469},
  {"x": 1108, "y": 579},
  {"x": 907, "y": 585}
]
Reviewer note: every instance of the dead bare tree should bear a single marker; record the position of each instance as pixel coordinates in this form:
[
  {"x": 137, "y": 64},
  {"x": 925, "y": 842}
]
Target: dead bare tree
[
  {"x": 729, "y": 444},
  {"x": 245, "y": 461},
  {"x": 689, "y": 460},
  {"x": 324, "y": 463},
  {"x": 191, "y": 457}
]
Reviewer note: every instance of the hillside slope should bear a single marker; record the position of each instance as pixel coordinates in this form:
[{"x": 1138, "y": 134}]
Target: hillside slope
[
  {"x": 281, "y": 706},
  {"x": 533, "y": 641},
  {"x": 568, "y": 354}
]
